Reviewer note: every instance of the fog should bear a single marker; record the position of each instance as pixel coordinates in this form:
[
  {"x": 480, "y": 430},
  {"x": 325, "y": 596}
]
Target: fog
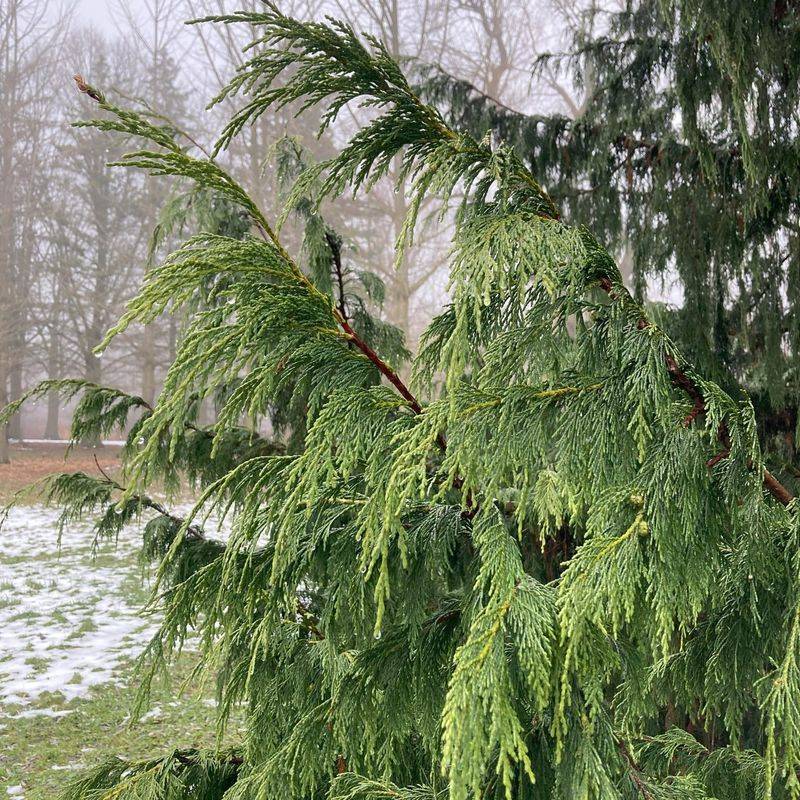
[
  {"x": 98, "y": 12},
  {"x": 77, "y": 235}
]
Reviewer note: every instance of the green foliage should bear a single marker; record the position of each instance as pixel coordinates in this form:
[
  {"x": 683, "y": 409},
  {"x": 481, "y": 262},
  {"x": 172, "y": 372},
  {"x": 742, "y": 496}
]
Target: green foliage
[
  {"x": 683, "y": 157},
  {"x": 508, "y": 605},
  {"x": 201, "y": 774},
  {"x": 562, "y": 577},
  {"x": 100, "y": 410}
]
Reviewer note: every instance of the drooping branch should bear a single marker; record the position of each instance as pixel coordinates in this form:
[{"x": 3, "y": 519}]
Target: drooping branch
[
  {"x": 192, "y": 531},
  {"x": 684, "y": 382},
  {"x": 653, "y": 149},
  {"x": 336, "y": 253},
  {"x": 191, "y": 758},
  {"x": 339, "y": 310}
]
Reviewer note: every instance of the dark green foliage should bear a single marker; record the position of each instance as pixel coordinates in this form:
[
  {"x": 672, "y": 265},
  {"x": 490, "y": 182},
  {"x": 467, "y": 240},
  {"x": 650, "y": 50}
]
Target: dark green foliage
[
  {"x": 685, "y": 158},
  {"x": 568, "y": 575},
  {"x": 184, "y": 773},
  {"x": 100, "y": 410}
]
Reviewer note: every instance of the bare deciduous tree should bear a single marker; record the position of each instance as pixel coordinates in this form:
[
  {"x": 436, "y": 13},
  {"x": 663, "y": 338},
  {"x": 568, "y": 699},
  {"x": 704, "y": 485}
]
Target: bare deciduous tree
[{"x": 29, "y": 47}]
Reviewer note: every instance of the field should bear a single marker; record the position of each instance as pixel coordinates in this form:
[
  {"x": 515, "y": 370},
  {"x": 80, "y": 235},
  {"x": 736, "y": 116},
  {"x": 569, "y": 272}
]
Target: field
[{"x": 71, "y": 628}]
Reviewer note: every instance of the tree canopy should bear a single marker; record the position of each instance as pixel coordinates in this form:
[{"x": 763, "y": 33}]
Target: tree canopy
[
  {"x": 684, "y": 160},
  {"x": 553, "y": 564}
]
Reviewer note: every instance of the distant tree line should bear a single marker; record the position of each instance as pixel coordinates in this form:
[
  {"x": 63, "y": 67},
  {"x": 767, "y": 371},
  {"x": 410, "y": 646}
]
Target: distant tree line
[{"x": 76, "y": 235}]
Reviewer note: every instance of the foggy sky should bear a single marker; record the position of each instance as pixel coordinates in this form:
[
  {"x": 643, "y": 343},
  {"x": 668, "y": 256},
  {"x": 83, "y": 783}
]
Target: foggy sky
[{"x": 96, "y": 12}]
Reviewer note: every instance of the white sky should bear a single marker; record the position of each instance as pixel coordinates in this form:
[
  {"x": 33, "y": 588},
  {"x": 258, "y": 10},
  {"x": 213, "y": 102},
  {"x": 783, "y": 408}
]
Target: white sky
[{"x": 97, "y": 12}]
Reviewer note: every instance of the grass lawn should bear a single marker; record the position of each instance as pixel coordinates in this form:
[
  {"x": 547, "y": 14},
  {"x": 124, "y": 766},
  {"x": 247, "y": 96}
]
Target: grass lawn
[
  {"x": 41, "y": 753},
  {"x": 71, "y": 628},
  {"x": 32, "y": 461}
]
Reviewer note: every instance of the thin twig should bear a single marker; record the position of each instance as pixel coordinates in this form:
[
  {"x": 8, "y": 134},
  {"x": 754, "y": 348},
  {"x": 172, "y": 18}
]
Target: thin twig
[
  {"x": 336, "y": 254},
  {"x": 148, "y": 502},
  {"x": 633, "y": 771}
]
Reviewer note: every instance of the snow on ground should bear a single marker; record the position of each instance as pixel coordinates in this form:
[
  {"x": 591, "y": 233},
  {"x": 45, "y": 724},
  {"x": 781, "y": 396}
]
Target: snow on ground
[{"x": 68, "y": 621}]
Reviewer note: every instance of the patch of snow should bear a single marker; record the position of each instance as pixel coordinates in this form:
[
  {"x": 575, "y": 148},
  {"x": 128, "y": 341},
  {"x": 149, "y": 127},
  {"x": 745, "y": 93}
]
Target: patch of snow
[
  {"x": 109, "y": 442},
  {"x": 67, "y": 622},
  {"x": 15, "y": 791},
  {"x": 40, "y": 712},
  {"x": 153, "y": 713}
]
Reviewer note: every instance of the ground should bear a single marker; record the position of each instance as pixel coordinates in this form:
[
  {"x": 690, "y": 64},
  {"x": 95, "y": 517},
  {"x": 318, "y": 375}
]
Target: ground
[
  {"x": 32, "y": 461},
  {"x": 71, "y": 628}
]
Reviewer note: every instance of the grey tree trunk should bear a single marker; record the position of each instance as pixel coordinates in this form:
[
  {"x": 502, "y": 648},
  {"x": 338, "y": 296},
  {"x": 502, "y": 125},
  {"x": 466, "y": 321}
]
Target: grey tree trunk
[
  {"x": 147, "y": 354},
  {"x": 5, "y": 456},
  {"x": 15, "y": 387},
  {"x": 51, "y": 429}
]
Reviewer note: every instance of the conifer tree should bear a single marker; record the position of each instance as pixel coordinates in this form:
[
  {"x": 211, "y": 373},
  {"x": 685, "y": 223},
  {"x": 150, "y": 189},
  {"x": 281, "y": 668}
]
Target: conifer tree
[
  {"x": 684, "y": 158},
  {"x": 567, "y": 573}
]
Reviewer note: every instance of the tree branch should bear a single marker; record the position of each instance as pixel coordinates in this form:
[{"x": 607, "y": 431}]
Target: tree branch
[
  {"x": 190, "y": 758},
  {"x": 194, "y": 531},
  {"x": 682, "y": 380},
  {"x": 336, "y": 252},
  {"x": 380, "y": 364},
  {"x": 633, "y": 771}
]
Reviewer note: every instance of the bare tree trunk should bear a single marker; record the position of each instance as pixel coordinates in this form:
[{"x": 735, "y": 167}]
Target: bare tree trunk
[
  {"x": 28, "y": 48},
  {"x": 173, "y": 338},
  {"x": 400, "y": 295},
  {"x": 626, "y": 265},
  {"x": 4, "y": 355},
  {"x": 91, "y": 365},
  {"x": 98, "y": 299},
  {"x": 8, "y": 71},
  {"x": 15, "y": 382},
  {"x": 94, "y": 334},
  {"x": 51, "y": 429},
  {"x": 5, "y": 456},
  {"x": 92, "y": 373},
  {"x": 147, "y": 355}
]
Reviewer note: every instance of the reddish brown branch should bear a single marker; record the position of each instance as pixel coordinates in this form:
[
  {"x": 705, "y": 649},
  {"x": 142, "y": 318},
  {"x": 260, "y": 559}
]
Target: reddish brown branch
[
  {"x": 721, "y": 456},
  {"x": 382, "y": 366},
  {"x": 311, "y": 621},
  {"x": 388, "y": 373},
  {"x": 683, "y": 381},
  {"x": 634, "y": 772},
  {"x": 692, "y": 415},
  {"x": 776, "y": 488}
]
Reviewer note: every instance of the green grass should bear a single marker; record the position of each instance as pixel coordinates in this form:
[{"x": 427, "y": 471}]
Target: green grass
[
  {"x": 41, "y": 753},
  {"x": 34, "y": 750}
]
